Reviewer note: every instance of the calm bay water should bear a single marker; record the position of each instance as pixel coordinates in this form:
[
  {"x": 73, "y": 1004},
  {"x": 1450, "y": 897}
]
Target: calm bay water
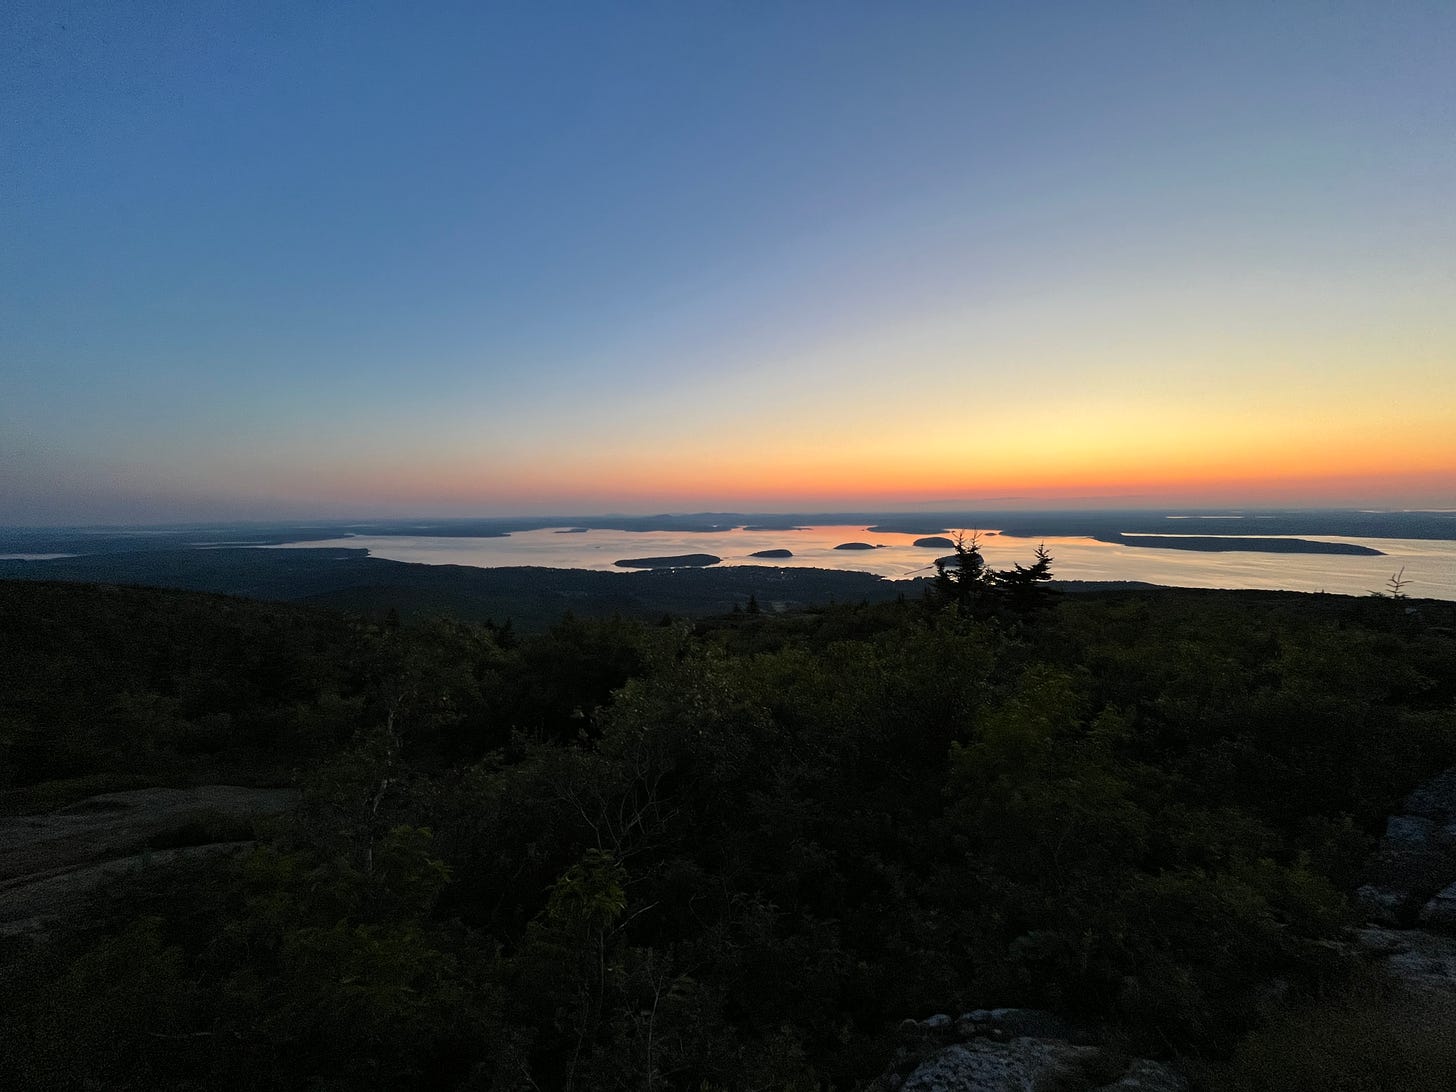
[{"x": 1430, "y": 566}]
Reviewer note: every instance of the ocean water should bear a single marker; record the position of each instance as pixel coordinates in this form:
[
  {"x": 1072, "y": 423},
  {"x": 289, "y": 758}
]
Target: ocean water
[{"x": 1429, "y": 566}]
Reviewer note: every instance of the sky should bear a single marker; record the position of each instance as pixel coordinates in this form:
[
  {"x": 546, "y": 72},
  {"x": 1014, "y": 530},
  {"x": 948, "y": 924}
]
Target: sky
[{"x": 348, "y": 259}]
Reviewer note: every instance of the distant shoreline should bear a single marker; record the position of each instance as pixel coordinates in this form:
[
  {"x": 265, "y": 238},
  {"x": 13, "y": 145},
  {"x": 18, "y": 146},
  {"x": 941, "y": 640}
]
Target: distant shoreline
[{"x": 1309, "y": 551}]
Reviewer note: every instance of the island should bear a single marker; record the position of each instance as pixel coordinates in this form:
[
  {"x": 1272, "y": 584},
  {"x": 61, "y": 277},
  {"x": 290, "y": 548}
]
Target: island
[
  {"x": 573, "y": 530},
  {"x": 772, "y": 553},
  {"x": 906, "y": 528},
  {"x": 677, "y": 561},
  {"x": 774, "y": 527},
  {"x": 936, "y": 542},
  {"x": 856, "y": 546},
  {"x": 1226, "y": 543}
]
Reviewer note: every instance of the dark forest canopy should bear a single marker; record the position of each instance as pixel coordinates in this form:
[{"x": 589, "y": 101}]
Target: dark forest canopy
[
  {"x": 733, "y": 854},
  {"x": 533, "y": 598}
]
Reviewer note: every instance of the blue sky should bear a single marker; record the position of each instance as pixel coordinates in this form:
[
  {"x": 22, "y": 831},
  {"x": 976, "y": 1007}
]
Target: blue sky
[{"x": 456, "y": 259}]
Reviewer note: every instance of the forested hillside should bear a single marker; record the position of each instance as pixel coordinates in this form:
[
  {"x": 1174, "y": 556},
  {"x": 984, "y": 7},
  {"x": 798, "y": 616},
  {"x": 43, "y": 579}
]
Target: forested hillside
[
  {"x": 723, "y": 854},
  {"x": 532, "y": 598}
]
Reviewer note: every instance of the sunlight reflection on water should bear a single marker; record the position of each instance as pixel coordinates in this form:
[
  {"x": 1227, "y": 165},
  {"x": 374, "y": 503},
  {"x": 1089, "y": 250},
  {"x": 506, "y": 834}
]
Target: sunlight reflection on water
[{"x": 1430, "y": 566}]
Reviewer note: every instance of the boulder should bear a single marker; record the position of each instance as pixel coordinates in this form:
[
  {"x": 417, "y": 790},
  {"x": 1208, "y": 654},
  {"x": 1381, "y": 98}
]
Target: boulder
[
  {"x": 1029, "y": 1064},
  {"x": 1416, "y": 858},
  {"x": 1440, "y": 912},
  {"x": 1408, "y": 832},
  {"x": 1436, "y": 799},
  {"x": 1034, "y": 1022},
  {"x": 1012, "y": 1023}
]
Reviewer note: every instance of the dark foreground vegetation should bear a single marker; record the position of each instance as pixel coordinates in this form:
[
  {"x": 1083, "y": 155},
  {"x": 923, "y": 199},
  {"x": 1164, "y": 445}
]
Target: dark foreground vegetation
[
  {"x": 731, "y": 854},
  {"x": 533, "y": 598}
]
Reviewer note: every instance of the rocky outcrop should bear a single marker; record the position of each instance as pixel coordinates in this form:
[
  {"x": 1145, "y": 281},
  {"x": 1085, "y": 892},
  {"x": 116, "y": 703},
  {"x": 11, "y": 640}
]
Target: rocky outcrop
[
  {"x": 1413, "y": 874},
  {"x": 1411, "y": 899},
  {"x": 48, "y": 860},
  {"x": 30, "y": 903},
  {"x": 1440, "y": 911},
  {"x": 1435, "y": 800},
  {"x": 986, "y": 1066},
  {"x": 1417, "y": 959},
  {"x": 986, "y": 1051}
]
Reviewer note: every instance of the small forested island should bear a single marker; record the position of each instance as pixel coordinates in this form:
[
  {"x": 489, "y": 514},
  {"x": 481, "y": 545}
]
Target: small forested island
[
  {"x": 255, "y": 845},
  {"x": 938, "y": 542},
  {"x": 772, "y": 553},
  {"x": 856, "y": 546},
  {"x": 676, "y": 561}
]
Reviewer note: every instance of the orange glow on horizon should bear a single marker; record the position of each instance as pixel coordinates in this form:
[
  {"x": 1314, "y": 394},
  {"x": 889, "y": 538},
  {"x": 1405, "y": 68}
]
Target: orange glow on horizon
[
  {"x": 1049, "y": 454},
  {"x": 696, "y": 485}
]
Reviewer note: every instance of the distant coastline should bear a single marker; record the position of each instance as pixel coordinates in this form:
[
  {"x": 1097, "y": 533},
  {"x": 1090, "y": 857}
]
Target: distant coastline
[
  {"x": 1341, "y": 551},
  {"x": 894, "y": 528}
]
